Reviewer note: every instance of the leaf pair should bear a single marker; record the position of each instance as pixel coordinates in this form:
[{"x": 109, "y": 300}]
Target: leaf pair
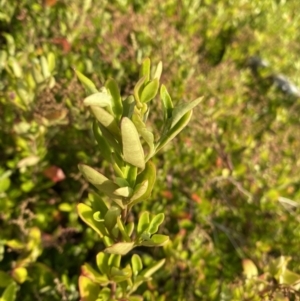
[{"x": 147, "y": 228}]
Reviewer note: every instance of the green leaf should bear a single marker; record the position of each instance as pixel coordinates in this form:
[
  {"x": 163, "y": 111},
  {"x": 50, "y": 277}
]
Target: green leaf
[
  {"x": 106, "y": 119},
  {"x": 136, "y": 264},
  {"x": 148, "y": 174},
  {"x": 144, "y": 132},
  {"x": 105, "y": 295},
  {"x": 112, "y": 141},
  {"x": 97, "y": 203},
  {"x": 128, "y": 106},
  {"x": 118, "y": 275},
  {"x": 172, "y": 133},
  {"x": 3, "y": 59},
  {"x": 152, "y": 268},
  {"x": 122, "y": 230},
  {"x": 99, "y": 99},
  {"x": 167, "y": 102},
  {"x": 108, "y": 241},
  {"x": 51, "y": 62},
  {"x": 149, "y": 91},
  {"x": 132, "y": 149},
  {"x": 45, "y": 67},
  {"x": 104, "y": 146},
  {"x": 4, "y": 184},
  {"x": 89, "y": 290},
  {"x": 91, "y": 273},
  {"x": 131, "y": 173},
  {"x": 289, "y": 277},
  {"x": 143, "y": 223},
  {"x": 117, "y": 106},
  {"x": 87, "y": 83},
  {"x": 111, "y": 216},
  {"x": 145, "y": 69},
  {"x": 182, "y": 109},
  {"x": 114, "y": 260},
  {"x": 10, "y": 42},
  {"x": 5, "y": 279},
  {"x": 121, "y": 182},
  {"x": 124, "y": 192},
  {"x": 121, "y": 248},
  {"x": 98, "y": 180},
  {"x": 28, "y": 161},
  {"x": 155, "y": 223},
  {"x": 86, "y": 214},
  {"x": 10, "y": 292},
  {"x": 15, "y": 66},
  {"x": 249, "y": 269},
  {"x": 138, "y": 90},
  {"x": 139, "y": 192},
  {"x": 102, "y": 262},
  {"x": 158, "y": 71},
  {"x": 157, "y": 240},
  {"x": 129, "y": 228}
]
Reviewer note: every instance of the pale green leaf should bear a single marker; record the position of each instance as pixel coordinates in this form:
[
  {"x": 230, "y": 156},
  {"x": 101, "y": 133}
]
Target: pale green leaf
[
  {"x": 144, "y": 132},
  {"x": 111, "y": 216},
  {"x": 158, "y": 71},
  {"x": 181, "y": 110},
  {"x": 155, "y": 223},
  {"x": 102, "y": 262},
  {"x": 99, "y": 99},
  {"x": 118, "y": 275},
  {"x": 143, "y": 222},
  {"x": 117, "y": 106},
  {"x": 138, "y": 90},
  {"x": 136, "y": 264},
  {"x": 128, "y": 106},
  {"x": 28, "y": 161},
  {"x": 249, "y": 268},
  {"x": 122, "y": 230},
  {"x": 86, "y": 214},
  {"x": 173, "y": 132},
  {"x": 113, "y": 142},
  {"x": 121, "y": 248},
  {"x": 45, "y": 67},
  {"x": 149, "y": 175},
  {"x": 106, "y": 119},
  {"x": 89, "y": 290},
  {"x": 139, "y": 192},
  {"x": 157, "y": 240},
  {"x": 124, "y": 192},
  {"x": 167, "y": 102},
  {"x": 86, "y": 82},
  {"x": 114, "y": 260},
  {"x": 132, "y": 149},
  {"x": 149, "y": 91},
  {"x": 51, "y": 61},
  {"x": 102, "y": 142},
  {"x": 145, "y": 69},
  {"x": 153, "y": 268},
  {"x": 98, "y": 180},
  {"x": 10, "y": 292},
  {"x": 97, "y": 203},
  {"x": 5, "y": 279}
]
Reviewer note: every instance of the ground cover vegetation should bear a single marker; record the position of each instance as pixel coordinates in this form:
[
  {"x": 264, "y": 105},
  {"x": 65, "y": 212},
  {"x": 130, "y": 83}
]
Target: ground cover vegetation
[{"x": 227, "y": 187}]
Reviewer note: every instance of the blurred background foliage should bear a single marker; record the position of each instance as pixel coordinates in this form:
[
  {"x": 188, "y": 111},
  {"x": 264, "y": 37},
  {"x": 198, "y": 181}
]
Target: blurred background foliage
[{"x": 229, "y": 185}]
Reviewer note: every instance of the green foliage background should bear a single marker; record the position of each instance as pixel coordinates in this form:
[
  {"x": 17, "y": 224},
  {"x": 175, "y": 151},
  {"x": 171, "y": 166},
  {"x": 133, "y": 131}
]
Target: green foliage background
[{"x": 229, "y": 185}]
